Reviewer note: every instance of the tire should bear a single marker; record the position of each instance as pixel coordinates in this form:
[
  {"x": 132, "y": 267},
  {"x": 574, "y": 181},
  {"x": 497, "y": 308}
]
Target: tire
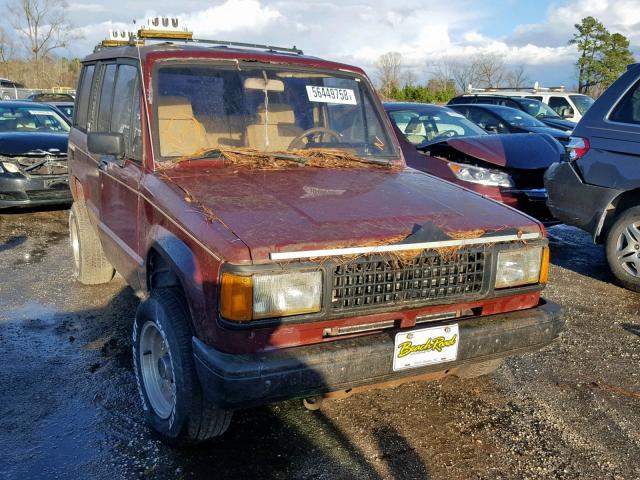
[
  {"x": 622, "y": 247},
  {"x": 91, "y": 267},
  {"x": 182, "y": 417},
  {"x": 479, "y": 369}
]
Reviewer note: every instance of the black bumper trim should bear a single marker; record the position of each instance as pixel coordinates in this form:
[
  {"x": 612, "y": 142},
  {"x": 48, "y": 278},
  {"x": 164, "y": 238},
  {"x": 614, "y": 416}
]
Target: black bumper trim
[
  {"x": 237, "y": 381},
  {"x": 574, "y": 202}
]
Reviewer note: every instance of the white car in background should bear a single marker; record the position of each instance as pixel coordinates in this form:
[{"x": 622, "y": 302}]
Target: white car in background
[{"x": 569, "y": 105}]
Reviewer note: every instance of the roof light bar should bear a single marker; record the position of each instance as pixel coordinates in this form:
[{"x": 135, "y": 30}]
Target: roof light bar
[{"x": 165, "y": 28}]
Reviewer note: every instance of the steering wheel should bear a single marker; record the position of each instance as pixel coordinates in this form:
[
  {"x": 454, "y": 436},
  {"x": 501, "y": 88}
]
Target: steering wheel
[
  {"x": 298, "y": 143},
  {"x": 447, "y": 134}
]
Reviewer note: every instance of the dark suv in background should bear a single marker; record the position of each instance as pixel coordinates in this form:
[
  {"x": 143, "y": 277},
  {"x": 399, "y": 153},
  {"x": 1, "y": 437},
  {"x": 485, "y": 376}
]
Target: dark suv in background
[{"x": 598, "y": 189}]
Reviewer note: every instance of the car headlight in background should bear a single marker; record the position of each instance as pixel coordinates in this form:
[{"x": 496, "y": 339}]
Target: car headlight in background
[
  {"x": 483, "y": 176},
  {"x": 522, "y": 266},
  {"x": 252, "y": 297},
  {"x": 8, "y": 167}
]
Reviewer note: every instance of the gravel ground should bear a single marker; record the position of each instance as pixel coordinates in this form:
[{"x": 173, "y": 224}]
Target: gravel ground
[{"x": 69, "y": 408}]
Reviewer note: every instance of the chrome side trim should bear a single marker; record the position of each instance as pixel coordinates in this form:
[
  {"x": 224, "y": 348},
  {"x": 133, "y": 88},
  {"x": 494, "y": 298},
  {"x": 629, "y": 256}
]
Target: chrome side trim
[{"x": 401, "y": 247}]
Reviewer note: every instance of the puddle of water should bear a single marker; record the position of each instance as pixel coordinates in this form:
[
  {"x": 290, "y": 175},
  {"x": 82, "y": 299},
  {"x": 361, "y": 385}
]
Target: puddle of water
[
  {"x": 30, "y": 311},
  {"x": 64, "y": 443}
]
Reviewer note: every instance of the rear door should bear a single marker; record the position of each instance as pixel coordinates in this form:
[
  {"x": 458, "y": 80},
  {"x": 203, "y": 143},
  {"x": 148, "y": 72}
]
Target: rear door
[
  {"x": 83, "y": 169},
  {"x": 612, "y": 126},
  {"x": 119, "y": 112}
]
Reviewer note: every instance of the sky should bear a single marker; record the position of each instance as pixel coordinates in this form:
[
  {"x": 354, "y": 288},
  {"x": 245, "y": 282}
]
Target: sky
[{"x": 529, "y": 33}]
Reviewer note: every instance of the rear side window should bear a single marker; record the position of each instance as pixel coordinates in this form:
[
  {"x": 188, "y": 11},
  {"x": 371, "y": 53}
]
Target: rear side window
[
  {"x": 84, "y": 94},
  {"x": 106, "y": 98},
  {"x": 628, "y": 110}
]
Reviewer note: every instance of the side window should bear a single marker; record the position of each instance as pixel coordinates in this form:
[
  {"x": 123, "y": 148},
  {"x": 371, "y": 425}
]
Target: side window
[
  {"x": 628, "y": 109},
  {"x": 560, "y": 105},
  {"x": 106, "y": 98},
  {"x": 84, "y": 93},
  {"x": 121, "y": 112}
]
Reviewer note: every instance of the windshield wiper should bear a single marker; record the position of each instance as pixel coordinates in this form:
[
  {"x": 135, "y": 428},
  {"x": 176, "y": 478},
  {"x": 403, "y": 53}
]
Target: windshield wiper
[{"x": 217, "y": 153}]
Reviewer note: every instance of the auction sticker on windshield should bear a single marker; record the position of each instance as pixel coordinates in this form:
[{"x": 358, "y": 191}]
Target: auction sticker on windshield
[
  {"x": 331, "y": 95},
  {"x": 426, "y": 347}
]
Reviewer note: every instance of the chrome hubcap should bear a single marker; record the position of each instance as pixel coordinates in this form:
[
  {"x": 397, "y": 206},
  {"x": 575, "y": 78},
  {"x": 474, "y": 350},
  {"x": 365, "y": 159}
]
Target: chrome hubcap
[
  {"x": 628, "y": 249},
  {"x": 156, "y": 368}
]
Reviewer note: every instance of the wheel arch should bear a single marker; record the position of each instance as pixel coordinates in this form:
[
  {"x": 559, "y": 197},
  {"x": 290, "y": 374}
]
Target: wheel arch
[
  {"x": 170, "y": 263},
  {"x": 617, "y": 206}
]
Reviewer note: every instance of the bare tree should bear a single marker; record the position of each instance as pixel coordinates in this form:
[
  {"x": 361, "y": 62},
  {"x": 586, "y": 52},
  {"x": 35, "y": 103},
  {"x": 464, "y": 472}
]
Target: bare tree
[
  {"x": 389, "y": 71},
  {"x": 491, "y": 70},
  {"x": 6, "y": 46},
  {"x": 42, "y": 25},
  {"x": 517, "y": 77},
  {"x": 462, "y": 73}
]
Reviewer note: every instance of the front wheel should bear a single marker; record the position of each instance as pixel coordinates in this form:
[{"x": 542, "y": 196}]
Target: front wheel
[
  {"x": 623, "y": 249},
  {"x": 173, "y": 403}
]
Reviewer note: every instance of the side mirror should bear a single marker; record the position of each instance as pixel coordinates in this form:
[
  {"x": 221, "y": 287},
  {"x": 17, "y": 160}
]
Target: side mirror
[{"x": 106, "y": 144}]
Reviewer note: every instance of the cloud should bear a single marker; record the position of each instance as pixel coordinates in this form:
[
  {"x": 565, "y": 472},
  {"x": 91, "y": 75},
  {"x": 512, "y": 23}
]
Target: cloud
[{"x": 358, "y": 31}]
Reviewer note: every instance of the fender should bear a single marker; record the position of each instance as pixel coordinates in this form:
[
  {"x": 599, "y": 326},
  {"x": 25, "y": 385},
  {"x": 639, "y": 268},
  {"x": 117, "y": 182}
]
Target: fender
[{"x": 181, "y": 259}]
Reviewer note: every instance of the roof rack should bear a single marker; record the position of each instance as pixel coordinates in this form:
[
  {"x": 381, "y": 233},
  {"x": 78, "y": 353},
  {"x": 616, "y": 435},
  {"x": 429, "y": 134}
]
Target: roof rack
[
  {"x": 226, "y": 43},
  {"x": 165, "y": 29}
]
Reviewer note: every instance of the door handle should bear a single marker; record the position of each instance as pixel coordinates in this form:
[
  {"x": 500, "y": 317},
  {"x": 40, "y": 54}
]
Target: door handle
[{"x": 103, "y": 164}]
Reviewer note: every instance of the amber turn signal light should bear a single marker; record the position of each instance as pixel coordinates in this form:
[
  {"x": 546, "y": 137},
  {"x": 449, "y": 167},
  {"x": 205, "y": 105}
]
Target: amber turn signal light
[
  {"x": 236, "y": 297},
  {"x": 544, "y": 268}
]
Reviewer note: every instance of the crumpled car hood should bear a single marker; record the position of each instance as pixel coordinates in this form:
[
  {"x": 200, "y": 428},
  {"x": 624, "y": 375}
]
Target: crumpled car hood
[
  {"x": 21, "y": 143},
  {"x": 516, "y": 150},
  {"x": 312, "y": 208}
]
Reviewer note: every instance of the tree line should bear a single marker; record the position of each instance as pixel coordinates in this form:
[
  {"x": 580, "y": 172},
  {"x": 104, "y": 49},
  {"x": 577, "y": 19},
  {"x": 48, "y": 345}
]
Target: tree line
[{"x": 603, "y": 57}]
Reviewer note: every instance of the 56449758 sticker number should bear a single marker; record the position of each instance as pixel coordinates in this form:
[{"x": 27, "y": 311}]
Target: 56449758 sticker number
[{"x": 331, "y": 95}]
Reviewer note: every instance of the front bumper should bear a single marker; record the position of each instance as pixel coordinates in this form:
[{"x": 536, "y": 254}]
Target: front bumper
[
  {"x": 25, "y": 191},
  {"x": 238, "y": 381},
  {"x": 574, "y": 202}
]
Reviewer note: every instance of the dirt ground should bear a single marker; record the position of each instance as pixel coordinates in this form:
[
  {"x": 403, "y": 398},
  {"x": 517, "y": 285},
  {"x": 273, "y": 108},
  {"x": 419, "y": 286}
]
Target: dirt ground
[{"x": 69, "y": 407}]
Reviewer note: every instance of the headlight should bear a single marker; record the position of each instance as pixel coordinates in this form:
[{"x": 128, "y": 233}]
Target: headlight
[
  {"x": 258, "y": 296},
  {"x": 483, "y": 176},
  {"x": 9, "y": 167},
  {"x": 522, "y": 266}
]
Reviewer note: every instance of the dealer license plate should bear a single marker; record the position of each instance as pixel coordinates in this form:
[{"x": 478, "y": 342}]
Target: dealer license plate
[{"x": 427, "y": 346}]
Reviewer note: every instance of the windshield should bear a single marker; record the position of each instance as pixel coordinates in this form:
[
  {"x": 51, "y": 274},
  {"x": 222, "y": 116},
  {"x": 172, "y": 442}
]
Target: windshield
[
  {"x": 205, "y": 107},
  {"x": 538, "y": 109},
  {"x": 518, "y": 118},
  {"x": 421, "y": 126},
  {"x": 31, "y": 119},
  {"x": 582, "y": 102}
]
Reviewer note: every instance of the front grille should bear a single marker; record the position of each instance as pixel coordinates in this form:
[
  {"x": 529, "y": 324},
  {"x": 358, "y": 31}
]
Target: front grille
[
  {"x": 43, "y": 165},
  {"x": 428, "y": 278}
]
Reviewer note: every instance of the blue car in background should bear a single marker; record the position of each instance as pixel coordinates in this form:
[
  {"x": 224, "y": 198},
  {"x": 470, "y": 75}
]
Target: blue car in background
[{"x": 33, "y": 155}]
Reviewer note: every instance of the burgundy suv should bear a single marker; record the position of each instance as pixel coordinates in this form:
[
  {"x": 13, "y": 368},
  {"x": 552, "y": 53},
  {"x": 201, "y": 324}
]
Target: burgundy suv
[{"x": 259, "y": 202}]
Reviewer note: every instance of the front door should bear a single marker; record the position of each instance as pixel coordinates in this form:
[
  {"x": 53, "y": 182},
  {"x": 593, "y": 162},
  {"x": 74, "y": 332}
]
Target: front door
[{"x": 119, "y": 112}]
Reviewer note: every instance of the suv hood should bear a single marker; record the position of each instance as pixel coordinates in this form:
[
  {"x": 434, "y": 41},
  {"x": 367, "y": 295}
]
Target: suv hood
[
  {"x": 311, "y": 208},
  {"x": 23, "y": 143}
]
